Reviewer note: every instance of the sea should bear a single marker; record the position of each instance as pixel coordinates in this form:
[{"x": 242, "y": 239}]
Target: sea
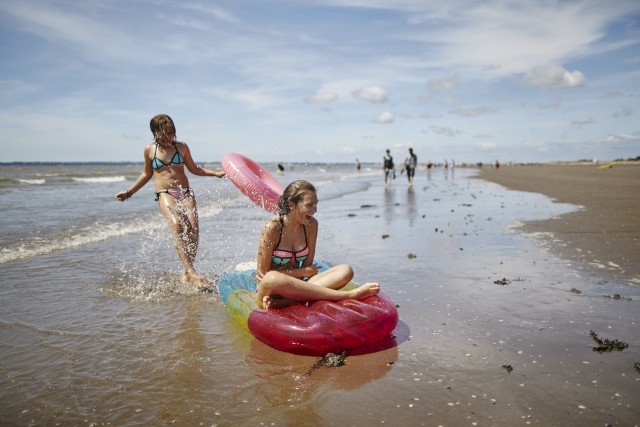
[{"x": 97, "y": 329}]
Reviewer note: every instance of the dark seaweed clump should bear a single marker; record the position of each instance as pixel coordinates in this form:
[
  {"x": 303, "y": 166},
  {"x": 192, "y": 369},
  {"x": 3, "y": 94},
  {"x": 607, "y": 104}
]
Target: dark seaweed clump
[
  {"x": 606, "y": 345},
  {"x": 330, "y": 360}
]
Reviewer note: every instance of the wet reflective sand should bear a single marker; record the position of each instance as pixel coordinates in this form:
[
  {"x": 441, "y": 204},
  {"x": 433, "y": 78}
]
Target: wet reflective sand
[{"x": 492, "y": 330}]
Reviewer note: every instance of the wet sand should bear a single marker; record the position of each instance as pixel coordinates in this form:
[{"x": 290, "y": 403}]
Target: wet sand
[
  {"x": 490, "y": 332},
  {"x": 605, "y": 233}
]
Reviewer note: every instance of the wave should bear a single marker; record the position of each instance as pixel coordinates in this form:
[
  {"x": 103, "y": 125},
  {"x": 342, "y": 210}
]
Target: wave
[
  {"x": 32, "y": 181},
  {"x": 33, "y": 247},
  {"x": 86, "y": 180},
  {"x": 23, "y": 181},
  {"x": 100, "y": 179}
]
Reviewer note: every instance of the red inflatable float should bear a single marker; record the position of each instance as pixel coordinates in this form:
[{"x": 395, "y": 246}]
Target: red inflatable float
[
  {"x": 357, "y": 326},
  {"x": 253, "y": 180}
]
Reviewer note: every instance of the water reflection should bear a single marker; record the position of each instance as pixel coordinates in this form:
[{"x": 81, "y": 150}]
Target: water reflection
[
  {"x": 411, "y": 206},
  {"x": 389, "y": 204},
  {"x": 294, "y": 384},
  {"x": 182, "y": 369}
]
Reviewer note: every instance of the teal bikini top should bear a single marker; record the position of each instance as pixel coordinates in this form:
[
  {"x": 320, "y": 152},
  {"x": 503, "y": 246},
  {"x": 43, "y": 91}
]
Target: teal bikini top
[{"x": 177, "y": 159}]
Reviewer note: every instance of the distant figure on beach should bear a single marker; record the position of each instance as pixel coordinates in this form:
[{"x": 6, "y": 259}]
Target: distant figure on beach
[
  {"x": 497, "y": 164},
  {"x": 388, "y": 167},
  {"x": 280, "y": 169},
  {"x": 358, "y": 165},
  {"x": 165, "y": 160},
  {"x": 410, "y": 164},
  {"x": 286, "y": 273}
]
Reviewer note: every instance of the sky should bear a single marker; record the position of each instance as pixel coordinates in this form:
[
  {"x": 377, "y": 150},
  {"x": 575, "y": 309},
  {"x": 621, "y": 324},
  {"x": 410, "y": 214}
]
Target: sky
[{"x": 321, "y": 80}]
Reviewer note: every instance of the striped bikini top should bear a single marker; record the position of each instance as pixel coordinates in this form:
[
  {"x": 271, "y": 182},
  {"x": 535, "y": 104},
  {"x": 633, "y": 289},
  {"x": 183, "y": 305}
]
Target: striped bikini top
[{"x": 284, "y": 257}]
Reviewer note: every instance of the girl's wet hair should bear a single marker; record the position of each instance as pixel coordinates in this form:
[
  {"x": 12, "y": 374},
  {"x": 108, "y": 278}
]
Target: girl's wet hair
[
  {"x": 158, "y": 123},
  {"x": 293, "y": 194}
]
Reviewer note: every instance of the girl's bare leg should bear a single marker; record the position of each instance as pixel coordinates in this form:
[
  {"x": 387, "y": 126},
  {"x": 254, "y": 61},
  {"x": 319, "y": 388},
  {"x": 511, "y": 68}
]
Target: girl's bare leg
[
  {"x": 333, "y": 278},
  {"x": 182, "y": 229},
  {"x": 191, "y": 234},
  {"x": 296, "y": 290}
]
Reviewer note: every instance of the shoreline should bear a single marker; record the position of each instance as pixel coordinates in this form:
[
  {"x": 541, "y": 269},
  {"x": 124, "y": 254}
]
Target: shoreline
[{"x": 602, "y": 235}]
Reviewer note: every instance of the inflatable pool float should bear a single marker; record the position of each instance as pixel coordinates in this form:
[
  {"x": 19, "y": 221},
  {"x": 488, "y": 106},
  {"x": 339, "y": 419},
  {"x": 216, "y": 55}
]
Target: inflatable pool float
[
  {"x": 315, "y": 329},
  {"x": 253, "y": 180}
]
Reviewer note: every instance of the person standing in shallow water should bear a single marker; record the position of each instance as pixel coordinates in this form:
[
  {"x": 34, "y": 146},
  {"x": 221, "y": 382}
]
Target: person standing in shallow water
[
  {"x": 165, "y": 159},
  {"x": 388, "y": 167},
  {"x": 410, "y": 164},
  {"x": 286, "y": 273}
]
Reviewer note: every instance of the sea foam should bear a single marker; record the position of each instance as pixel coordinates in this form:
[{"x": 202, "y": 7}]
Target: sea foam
[{"x": 100, "y": 179}]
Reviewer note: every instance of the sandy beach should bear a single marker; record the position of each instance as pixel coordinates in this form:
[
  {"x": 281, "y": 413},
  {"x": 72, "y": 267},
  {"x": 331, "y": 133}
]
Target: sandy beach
[
  {"x": 495, "y": 328},
  {"x": 605, "y": 233}
]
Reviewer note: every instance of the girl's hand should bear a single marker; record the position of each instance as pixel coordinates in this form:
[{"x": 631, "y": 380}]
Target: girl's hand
[
  {"x": 311, "y": 270},
  {"x": 123, "y": 195}
]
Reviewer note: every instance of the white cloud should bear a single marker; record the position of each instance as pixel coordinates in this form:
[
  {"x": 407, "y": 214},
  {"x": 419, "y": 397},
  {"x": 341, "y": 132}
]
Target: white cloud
[
  {"x": 443, "y": 85},
  {"x": 255, "y": 99},
  {"x": 321, "y": 98},
  {"x": 611, "y": 94},
  {"x": 348, "y": 149},
  {"x": 215, "y": 11},
  {"x": 554, "y": 77},
  {"x": 487, "y": 146},
  {"x": 66, "y": 27},
  {"x": 473, "y": 111},
  {"x": 584, "y": 120},
  {"x": 555, "y": 102},
  {"x": 371, "y": 94},
  {"x": 385, "y": 118},
  {"x": 444, "y": 130},
  {"x": 624, "y": 111},
  {"x": 511, "y": 37},
  {"x": 624, "y": 137}
]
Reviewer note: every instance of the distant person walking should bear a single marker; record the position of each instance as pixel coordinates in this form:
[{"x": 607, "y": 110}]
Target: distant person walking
[
  {"x": 389, "y": 169},
  {"x": 410, "y": 164},
  {"x": 358, "y": 165}
]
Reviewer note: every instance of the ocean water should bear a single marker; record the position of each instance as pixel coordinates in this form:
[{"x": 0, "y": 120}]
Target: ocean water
[{"x": 96, "y": 329}]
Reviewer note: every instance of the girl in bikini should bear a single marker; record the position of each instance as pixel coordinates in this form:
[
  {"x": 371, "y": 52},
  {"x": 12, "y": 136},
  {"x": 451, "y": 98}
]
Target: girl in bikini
[
  {"x": 286, "y": 273},
  {"x": 165, "y": 159}
]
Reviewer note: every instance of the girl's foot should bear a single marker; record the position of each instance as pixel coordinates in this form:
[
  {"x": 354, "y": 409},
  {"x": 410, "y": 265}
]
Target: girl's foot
[
  {"x": 365, "y": 291},
  {"x": 202, "y": 283},
  {"x": 272, "y": 303}
]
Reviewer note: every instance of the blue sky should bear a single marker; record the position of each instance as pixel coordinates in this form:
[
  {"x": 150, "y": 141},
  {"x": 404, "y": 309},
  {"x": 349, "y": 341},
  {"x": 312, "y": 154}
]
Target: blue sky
[{"x": 321, "y": 80}]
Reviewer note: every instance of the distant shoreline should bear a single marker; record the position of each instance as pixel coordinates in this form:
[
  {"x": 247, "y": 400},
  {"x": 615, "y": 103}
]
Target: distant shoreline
[
  {"x": 217, "y": 162},
  {"x": 364, "y": 163},
  {"x": 68, "y": 163}
]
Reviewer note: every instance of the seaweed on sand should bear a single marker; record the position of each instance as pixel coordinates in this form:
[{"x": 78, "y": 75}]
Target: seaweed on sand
[
  {"x": 607, "y": 345},
  {"x": 330, "y": 360}
]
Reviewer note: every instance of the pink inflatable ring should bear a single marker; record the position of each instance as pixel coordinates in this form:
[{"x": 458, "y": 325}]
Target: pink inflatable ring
[{"x": 253, "y": 180}]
